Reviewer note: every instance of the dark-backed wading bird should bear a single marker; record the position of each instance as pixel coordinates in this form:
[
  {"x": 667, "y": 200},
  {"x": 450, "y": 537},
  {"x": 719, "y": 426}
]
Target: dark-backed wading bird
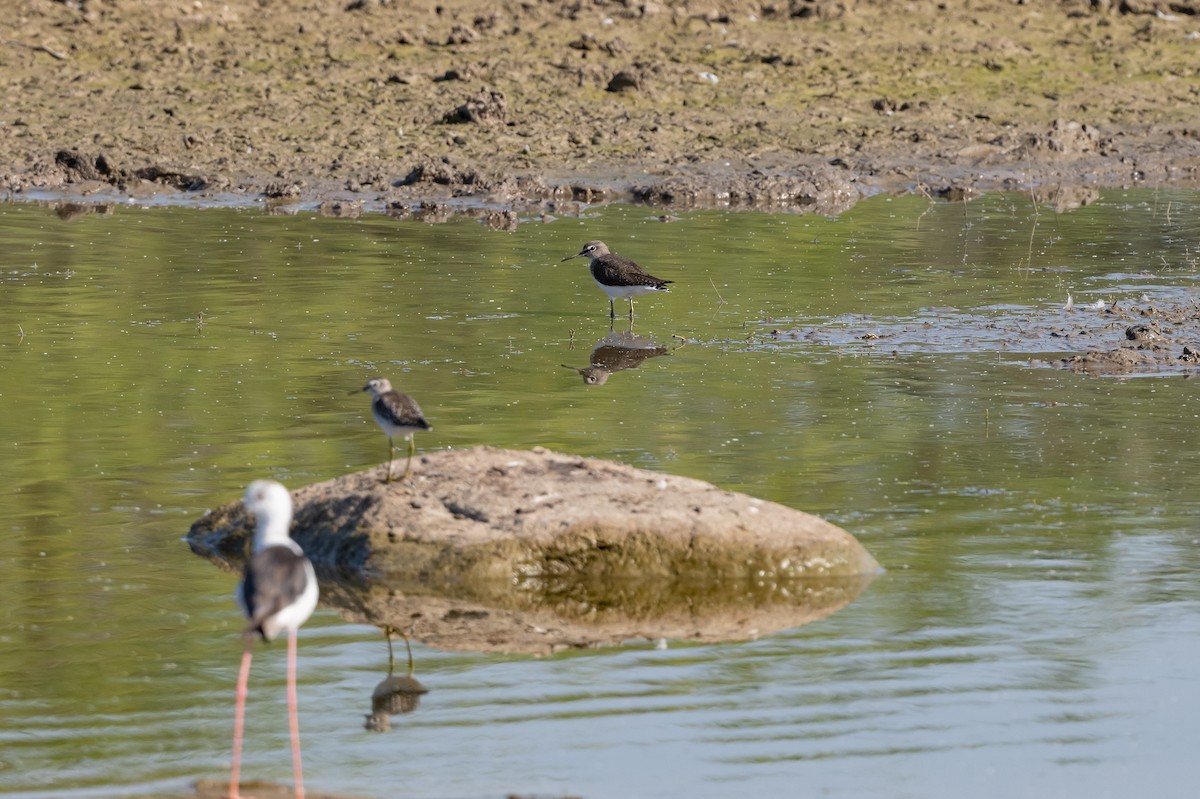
[
  {"x": 398, "y": 414},
  {"x": 617, "y": 276}
]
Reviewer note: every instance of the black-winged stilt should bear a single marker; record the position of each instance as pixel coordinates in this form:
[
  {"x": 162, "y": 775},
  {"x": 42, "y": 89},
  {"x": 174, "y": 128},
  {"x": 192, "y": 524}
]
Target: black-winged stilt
[{"x": 278, "y": 593}]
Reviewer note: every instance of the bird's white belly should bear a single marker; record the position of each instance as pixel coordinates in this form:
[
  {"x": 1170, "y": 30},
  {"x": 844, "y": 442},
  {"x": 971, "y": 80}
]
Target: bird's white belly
[{"x": 622, "y": 292}]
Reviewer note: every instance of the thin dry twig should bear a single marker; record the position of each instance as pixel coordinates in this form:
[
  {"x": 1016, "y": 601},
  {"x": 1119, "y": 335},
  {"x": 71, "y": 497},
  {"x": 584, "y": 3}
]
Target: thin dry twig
[
  {"x": 41, "y": 48},
  {"x": 714, "y": 287}
]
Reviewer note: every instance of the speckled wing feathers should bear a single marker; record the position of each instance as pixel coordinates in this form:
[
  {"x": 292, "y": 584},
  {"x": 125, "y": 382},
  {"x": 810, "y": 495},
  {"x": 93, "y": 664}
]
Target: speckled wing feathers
[
  {"x": 399, "y": 411},
  {"x": 617, "y": 270}
]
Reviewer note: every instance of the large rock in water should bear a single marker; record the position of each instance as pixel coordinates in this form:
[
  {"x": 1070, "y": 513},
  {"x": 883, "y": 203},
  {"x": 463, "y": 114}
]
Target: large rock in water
[{"x": 491, "y": 549}]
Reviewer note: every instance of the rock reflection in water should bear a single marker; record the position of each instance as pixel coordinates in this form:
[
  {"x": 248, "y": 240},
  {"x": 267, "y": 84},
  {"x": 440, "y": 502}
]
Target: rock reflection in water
[
  {"x": 396, "y": 693},
  {"x": 543, "y": 615},
  {"x": 617, "y": 351}
]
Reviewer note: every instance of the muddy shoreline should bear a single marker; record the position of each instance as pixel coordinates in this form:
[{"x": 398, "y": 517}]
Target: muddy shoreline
[
  {"x": 526, "y": 107},
  {"x": 523, "y": 110}
]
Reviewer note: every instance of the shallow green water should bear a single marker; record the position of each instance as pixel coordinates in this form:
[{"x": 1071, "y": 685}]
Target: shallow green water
[{"x": 1035, "y": 632}]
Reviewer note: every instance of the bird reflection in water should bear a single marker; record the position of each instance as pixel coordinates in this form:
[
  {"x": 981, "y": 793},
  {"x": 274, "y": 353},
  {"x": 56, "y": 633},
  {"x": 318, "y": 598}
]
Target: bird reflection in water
[
  {"x": 616, "y": 352},
  {"x": 395, "y": 694}
]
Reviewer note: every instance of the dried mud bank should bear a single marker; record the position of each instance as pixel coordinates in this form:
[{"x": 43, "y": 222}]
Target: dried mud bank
[{"x": 528, "y": 107}]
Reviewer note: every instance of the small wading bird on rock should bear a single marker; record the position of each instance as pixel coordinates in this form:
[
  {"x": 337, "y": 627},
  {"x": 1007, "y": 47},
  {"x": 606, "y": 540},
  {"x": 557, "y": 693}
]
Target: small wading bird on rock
[
  {"x": 397, "y": 414},
  {"x": 278, "y": 593},
  {"x": 617, "y": 276}
]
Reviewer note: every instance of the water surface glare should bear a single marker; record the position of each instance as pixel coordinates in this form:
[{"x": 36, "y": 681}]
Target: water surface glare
[{"x": 1035, "y": 633}]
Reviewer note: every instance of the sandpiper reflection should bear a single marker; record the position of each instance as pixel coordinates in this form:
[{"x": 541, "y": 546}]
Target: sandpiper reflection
[
  {"x": 69, "y": 211},
  {"x": 617, "y": 351},
  {"x": 396, "y": 693}
]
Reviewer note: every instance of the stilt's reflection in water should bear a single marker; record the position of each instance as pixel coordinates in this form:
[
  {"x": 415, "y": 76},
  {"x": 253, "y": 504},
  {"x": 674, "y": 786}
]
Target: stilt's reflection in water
[{"x": 396, "y": 693}]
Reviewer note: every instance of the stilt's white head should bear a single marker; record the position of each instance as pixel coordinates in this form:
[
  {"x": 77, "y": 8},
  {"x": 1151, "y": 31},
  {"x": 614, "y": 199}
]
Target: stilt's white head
[{"x": 271, "y": 505}]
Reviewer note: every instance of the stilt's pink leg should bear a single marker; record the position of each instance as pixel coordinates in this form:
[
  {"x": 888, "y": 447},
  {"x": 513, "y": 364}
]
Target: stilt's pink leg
[
  {"x": 239, "y": 718},
  {"x": 293, "y": 715}
]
